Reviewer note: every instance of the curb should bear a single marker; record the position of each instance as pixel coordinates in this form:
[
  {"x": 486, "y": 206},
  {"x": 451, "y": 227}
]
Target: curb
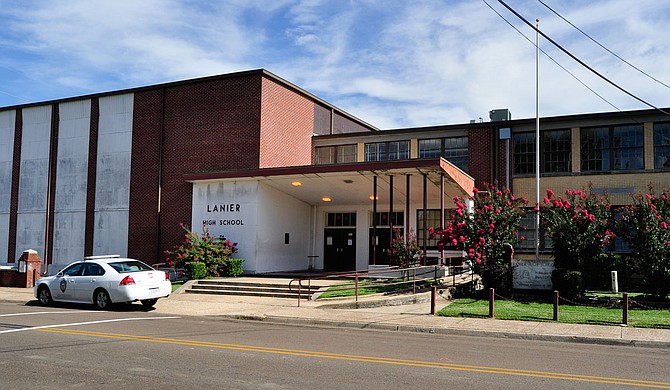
[{"x": 446, "y": 331}]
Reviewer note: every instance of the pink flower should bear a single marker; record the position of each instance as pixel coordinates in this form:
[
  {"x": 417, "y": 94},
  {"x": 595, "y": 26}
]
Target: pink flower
[
  {"x": 550, "y": 194},
  {"x": 664, "y": 225},
  {"x": 546, "y": 200},
  {"x": 475, "y": 190},
  {"x": 454, "y": 242}
]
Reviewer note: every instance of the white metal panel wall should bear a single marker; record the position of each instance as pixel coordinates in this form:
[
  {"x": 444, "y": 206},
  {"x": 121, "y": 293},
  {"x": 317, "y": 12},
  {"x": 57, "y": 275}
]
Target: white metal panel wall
[
  {"x": 215, "y": 205},
  {"x": 33, "y": 180},
  {"x": 7, "y": 131},
  {"x": 112, "y": 186},
  {"x": 71, "y": 178},
  {"x": 278, "y": 214}
]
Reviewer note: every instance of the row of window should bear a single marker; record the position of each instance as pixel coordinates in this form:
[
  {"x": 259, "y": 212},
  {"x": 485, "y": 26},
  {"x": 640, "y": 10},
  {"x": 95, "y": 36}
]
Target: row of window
[
  {"x": 454, "y": 149},
  {"x": 606, "y": 148}
]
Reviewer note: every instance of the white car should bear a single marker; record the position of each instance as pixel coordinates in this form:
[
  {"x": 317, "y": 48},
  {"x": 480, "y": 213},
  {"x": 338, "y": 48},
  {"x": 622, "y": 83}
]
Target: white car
[{"x": 103, "y": 280}]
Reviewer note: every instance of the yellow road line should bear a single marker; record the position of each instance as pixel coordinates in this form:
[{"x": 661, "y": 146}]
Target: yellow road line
[{"x": 368, "y": 359}]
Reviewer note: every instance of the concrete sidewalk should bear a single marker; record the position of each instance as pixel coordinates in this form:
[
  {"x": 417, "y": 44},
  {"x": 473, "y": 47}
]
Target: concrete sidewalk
[{"x": 382, "y": 313}]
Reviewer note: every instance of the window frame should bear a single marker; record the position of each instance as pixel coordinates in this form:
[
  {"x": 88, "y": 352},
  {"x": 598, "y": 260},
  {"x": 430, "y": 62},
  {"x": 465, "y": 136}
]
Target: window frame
[{"x": 662, "y": 143}]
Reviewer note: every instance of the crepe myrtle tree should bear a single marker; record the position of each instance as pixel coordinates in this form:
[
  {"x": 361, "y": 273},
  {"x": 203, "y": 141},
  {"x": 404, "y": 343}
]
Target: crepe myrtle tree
[
  {"x": 485, "y": 233},
  {"x": 213, "y": 251},
  {"x": 580, "y": 226},
  {"x": 645, "y": 227}
]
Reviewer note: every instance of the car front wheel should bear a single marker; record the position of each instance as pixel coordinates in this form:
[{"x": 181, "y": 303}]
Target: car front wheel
[
  {"x": 44, "y": 295},
  {"x": 101, "y": 299}
]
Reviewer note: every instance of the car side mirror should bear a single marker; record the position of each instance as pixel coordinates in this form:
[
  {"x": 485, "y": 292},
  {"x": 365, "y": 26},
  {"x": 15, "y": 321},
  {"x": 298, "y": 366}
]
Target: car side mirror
[{"x": 60, "y": 274}]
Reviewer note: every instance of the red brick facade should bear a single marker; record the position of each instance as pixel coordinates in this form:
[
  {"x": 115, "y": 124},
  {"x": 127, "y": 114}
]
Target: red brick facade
[{"x": 481, "y": 163}]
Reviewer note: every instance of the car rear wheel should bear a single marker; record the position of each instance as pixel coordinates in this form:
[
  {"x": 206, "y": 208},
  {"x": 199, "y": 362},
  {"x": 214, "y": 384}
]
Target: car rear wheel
[
  {"x": 101, "y": 299},
  {"x": 44, "y": 295},
  {"x": 149, "y": 302}
]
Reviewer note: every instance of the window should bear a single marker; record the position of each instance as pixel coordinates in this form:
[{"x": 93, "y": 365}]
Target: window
[
  {"x": 555, "y": 154},
  {"x": 628, "y": 147},
  {"x": 662, "y": 145},
  {"x": 433, "y": 220},
  {"x": 340, "y": 219},
  {"x": 382, "y": 151},
  {"x": 528, "y": 232},
  {"x": 612, "y": 148},
  {"x": 524, "y": 153},
  {"x": 454, "y": 149},
  {"x": 399, "y": 150},
  {"x": 335, "y": 154},
  {"x": 396, "y": 218},
  {"x": 375, "y": 151},
  {"x": 430, "y": 148},
  {"x": 556, "y": 151},
  {"x": 73, "y": 270}
]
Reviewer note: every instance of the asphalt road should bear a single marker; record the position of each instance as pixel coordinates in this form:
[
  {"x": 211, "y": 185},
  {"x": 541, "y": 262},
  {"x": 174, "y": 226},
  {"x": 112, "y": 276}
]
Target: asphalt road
[{"x": 78, "y": 347}]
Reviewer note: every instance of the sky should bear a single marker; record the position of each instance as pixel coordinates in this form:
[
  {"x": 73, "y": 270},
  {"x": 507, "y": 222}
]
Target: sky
[{"x": 391, "y": 63}]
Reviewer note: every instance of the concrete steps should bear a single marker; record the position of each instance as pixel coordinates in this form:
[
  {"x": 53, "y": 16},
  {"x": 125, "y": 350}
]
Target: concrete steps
[{"x": 270, "y": 289}]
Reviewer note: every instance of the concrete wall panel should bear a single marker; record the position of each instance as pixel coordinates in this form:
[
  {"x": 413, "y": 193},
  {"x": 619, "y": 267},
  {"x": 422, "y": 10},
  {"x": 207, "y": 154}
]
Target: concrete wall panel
[
  {"x": 7, "y": 122},
  {"x": 33, "y": 181},
  {"x": 71, "y": 180},
  {"x": 112, "y": 187}
]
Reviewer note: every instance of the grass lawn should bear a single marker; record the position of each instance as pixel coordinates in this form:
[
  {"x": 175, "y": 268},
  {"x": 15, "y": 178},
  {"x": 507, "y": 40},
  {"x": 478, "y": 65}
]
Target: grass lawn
[
  {"x": 177, "y": 284},
  {"x": 367, "y": 287},
  {"x": 511, "y": 310}
]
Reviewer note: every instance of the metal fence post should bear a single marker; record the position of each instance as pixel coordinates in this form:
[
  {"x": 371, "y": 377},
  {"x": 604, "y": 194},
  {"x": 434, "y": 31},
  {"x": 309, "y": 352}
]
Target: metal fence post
[
  {"x": 491, "y": 303},
  {"x": 555, "y": 305},
  {"x": 356, "y": 286},
  {"x": 433, "y": 294},
  {"x": 299, "y": 293},
  {"x": 625, "y": 309}
]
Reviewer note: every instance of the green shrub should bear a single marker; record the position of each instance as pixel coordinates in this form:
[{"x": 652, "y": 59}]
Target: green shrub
[
  {"x": 569, "y": 284},
  {"x": 202, "y": 247},
  {"x": 233, "y": 267},
  {"x": 195, "y": 270}
]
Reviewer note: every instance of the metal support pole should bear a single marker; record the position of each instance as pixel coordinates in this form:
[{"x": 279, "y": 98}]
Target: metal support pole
[
  {"x": 391, "y": 219},
  {"x": 425, "y": 217},
  {"x": 407, "y": 209},
  {"x": 555, "y": 305},
  {"x": 433, "y": 295},
  {"x": 491, "y": 303},
  {"x": 299, "y": 292},
  {"x": 442, "y": 214},
  {"x": 374, "y": 220}
]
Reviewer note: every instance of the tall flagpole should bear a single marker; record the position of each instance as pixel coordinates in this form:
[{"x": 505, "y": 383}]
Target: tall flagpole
[{"x": 537, "y": 138}]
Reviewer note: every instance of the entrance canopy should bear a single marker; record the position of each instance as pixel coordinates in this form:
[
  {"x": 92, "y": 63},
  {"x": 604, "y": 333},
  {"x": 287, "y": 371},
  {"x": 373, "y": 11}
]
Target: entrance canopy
[{"x": 353, "y": 184}]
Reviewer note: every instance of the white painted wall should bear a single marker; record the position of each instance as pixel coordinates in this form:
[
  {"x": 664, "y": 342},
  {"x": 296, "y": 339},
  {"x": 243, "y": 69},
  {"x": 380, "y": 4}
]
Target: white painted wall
[
  {"x": 239, "y": 224},
  {"x": 112, "y": 187},
  {"x": 7, "y": 130},
  {"x": 71, "y": 180},
  {"x": 33, "y": 180},
  {"x": 279, "y": 213}
]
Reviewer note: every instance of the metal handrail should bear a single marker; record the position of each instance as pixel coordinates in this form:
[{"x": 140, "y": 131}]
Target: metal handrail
[{"x": 370, "y": 273}]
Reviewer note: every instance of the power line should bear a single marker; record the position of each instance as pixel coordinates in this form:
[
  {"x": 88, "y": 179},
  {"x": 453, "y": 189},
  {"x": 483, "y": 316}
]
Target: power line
[
  {"x": 602, "y": 46},
  {"x": 582, "y": 63},
  {"x": 552, "y": 59}
]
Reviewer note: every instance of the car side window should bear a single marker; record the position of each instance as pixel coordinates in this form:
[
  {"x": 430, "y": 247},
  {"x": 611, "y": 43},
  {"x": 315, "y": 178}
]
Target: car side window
[
  {"x": 93, "y": 270},
  {"x": 73, "y": 270}
]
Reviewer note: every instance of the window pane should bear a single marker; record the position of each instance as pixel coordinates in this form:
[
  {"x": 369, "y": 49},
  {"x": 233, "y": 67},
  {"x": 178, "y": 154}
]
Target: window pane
[
  {"x": 399, "y": 150},
  {"x": 524, "y": 153},
  {"x": 628, "y": 147},
  {"x": 456, "y": 151},
  {"x": 556, "y": 151},
  {"x": 347, "y": 153},
  {"x": 595, "y": 144},
  {"x": 375, "y": 151},
  {"x": 324, "y": 155},
  {"x": 662, "y": 145},
  {"x": 429, "y": 148}
]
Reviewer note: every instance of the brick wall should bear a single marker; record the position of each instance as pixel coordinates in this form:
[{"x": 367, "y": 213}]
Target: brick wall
[
  {"x": 480, "y": 157},
  {"x": 287, "y": 123},
  {"x": 213, "y": 125}
]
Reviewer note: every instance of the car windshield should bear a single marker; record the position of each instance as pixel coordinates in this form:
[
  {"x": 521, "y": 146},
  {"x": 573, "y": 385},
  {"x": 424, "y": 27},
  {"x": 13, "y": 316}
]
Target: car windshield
[{"x": 123, "y": 267}]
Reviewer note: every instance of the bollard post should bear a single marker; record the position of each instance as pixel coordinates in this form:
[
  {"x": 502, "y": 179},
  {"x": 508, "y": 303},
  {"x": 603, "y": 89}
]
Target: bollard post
[
  {"x": 356, "y": 287},
  {"x": 433, "y": 295},
  {"x": 625, "y": 309},
  {"x": 555, "y": 305},
  {"x": 491, "y": 303},
  {"x": 299, "y": 292}
]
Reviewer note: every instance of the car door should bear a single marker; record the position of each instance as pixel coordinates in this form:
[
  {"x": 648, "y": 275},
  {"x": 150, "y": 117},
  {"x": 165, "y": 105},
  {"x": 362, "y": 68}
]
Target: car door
[
  {"x": 64, "y": 285},
  {"x": 88, "y": 281}
]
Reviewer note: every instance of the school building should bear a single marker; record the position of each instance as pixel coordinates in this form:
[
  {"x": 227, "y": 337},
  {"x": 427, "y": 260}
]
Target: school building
[{"x": 297, "y": 182}]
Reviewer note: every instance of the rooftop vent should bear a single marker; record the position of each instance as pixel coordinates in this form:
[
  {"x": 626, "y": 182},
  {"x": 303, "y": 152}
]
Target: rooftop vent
[{"x": 498, "y": 115}]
